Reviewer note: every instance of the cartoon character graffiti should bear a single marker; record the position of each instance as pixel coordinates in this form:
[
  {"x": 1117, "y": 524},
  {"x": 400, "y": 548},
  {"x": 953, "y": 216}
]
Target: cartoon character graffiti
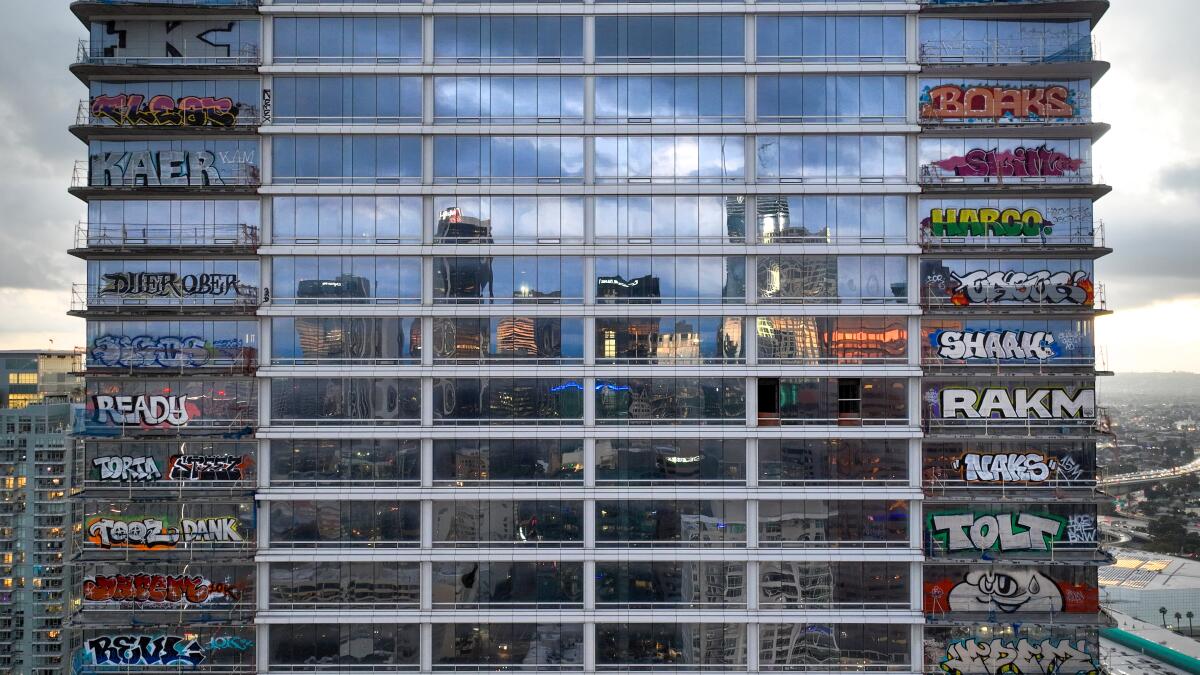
[{"x": 1009, "y": 591}]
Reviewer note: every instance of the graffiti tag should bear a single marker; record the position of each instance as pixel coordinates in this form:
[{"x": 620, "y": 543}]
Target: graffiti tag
[
  {"x": 149, "y": 533},
  {"x": 996, "y": 532},
  {"x": 1010, "y": 467},
  {"x": 143, "y": 650},
  {"x": 157, "y": 589},
  {"x": 1042, "y": 287},
  {"x": 204, "y": 467},
  {"x": 1017, "y": 404},
  {"x": 1006, "y": 590},
  {"x": 994, "y": 344},
  {"x": 145, "y": 410},
  {"x": 999, "y": 656},
  {"x": 156, "y": 168},
  {"x": 952, "y": 101},
  {"x": 126, "y": 469},
  {"x": 987, "y": 222},
  {"x": 169, "y": 284},
  {"x": 1020, "y": 162},
  {"x": 165, "y": 110},
  {"x": 229, "y": 642},
  {"x": 144, "y": 351}
]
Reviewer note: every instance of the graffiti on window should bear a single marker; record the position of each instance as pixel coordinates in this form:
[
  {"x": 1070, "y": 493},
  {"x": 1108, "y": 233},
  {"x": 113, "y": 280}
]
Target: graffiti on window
[
  {"x": 1015, "y": 404},
  {"x": 969, "y": 222},
  {"x": 165, "y": 110},
  {"x": 1022, "y": 657},
  {"x": 959, "y": 102},
  {"x": 143, "y": 410},
  {"x": 1004, "y": 532},
  {"x": 142, "y": 650},
  {"x": 151, "y": 533},
  {"x": 1019, "y": 162},
  {"x": 1005, "y": 467},
  {"x": 207, "y": 467},
  {"x": 155, "y": 169},
  {"x": 1042, "y": 287},
  {"x": 995, "y": 345},
  {"x": 1007, "y": 590},
  {"x": 127, "y": 469},
  {"x": 145, "y": 351},
  {"x": 170, "y": 285},
  {"x": 158, "y": 591}
]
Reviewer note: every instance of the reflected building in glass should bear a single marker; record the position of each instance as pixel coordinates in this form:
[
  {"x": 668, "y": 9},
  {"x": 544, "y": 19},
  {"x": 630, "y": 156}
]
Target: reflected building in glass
[{"x": 581, "y": 336}]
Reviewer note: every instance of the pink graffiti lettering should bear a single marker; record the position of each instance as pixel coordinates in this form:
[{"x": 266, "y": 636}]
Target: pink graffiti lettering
[
  {"x": 1019, "y": 162},
  {"x": 164, "y": 110}
]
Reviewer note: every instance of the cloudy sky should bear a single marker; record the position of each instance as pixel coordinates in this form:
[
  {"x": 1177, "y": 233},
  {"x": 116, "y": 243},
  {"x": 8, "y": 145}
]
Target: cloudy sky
[{"x": 1151, "y": 157}]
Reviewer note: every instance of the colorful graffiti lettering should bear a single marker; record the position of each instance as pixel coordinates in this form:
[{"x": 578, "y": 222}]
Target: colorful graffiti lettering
[
  {"x": 1017, "y": 404},
  {"x": 952, "y": 101},
  {"x": 1008, "y": 590},
  {"x": 1004, "y": 345},
  {"x": 143, "y": 650},
  {"x": 1007, "y": 467},
  {"x": 1005, "y": 532},
  {"x": 169, "y": 284},
  {"x": 1042, "y": 287},
  {"x": 987, "y": 222},
  {"x": 143, "y": 410},
  {"x": 156, "y": 168},
  {"x": 999, "y": 657},
  {"x": 126, "y": 469},
  {"x": 203, "y": 467},
  {"x": 165, "y": 110},
  {"x": 150, "y": 533},
  {"x": 158, "y": 589},
  {"x": 145, "y": 351},
  {"x": 1020, "y": 162},
  {"x": 229, "y": 642}
]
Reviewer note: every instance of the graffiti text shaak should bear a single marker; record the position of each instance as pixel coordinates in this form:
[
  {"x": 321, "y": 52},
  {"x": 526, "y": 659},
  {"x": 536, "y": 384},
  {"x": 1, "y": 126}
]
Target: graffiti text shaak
[{"x": 995, "y": 345}]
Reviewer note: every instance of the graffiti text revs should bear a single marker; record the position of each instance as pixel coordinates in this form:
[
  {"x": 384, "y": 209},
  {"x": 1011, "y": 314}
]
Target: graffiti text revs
[
  {"x": 143, "y": 650},
  {"x": 951, "y": 101},
  {"x": 157, "y": 589},
  {"x": 126, "y": 469},
  {"x": 169, "y": 284},
  {"x": 206, "y": 467},
  {"x": 999, "y": 532},
  {"x": 1042, "y": 287},
  {"x": 164, "y": 110},
  {"x": 1009, "y": 467},
  {"x": 998, "y": 345},
  {"x": 1020, "y": 162},
  {"x": 1017, "y": 404},
  {"x": 987, "y": 222},
  {"x": 150, "y": 533},
  {"x": 142, "y": 410},
  {"x": 1021, "y": 658}
]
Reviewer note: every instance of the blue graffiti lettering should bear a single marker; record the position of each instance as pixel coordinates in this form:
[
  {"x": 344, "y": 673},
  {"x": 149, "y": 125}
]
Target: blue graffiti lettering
[
  {"x": 145, "y": 351},
  {"x": 142, "y": 650},
  {"x": 230, "y": 642}
]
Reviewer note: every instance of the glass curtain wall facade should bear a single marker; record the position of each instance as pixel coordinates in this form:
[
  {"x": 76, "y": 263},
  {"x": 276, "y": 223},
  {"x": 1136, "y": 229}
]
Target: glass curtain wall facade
[{"x": 552, "y": 337}]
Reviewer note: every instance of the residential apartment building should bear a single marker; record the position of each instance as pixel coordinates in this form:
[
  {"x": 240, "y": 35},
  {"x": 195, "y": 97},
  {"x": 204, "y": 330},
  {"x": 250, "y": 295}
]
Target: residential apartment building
[
  {"x": 588, "y": 336},
  {"x": 34, "y": 520},
  {"x": 31, "y": 377}
]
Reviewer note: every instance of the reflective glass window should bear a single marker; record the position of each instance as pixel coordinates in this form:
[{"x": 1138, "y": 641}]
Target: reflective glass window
[
  {"x": 305, "y": 584},
  {"x": 480, "y": 524},
  {"x": 833, "y": 279},
  {"x": 685, "y": 280},
  {"x": 662, "y": 218},
  {"x": 670, "y": 461},
  {"x": 487, "y": 38},
  {"x": 831, "y": 39},
  {"x": 670, "y": 39},
  {"x": 500, "y": 585},
  {"x": 663, "y": 585},
  {"x": 347, "y": 39},
  {"x": 669, "y": 339},
  {"x": 671, "y": 646},
  {"x": 818, "y": 461},
  {"x": 337, "y": 219},
  {"x": 344, "y": 340},
  {"x": 834, "y": 585},
  {"x": 670, "y": 522},
  {"x": 827, "y": 339},
  {"x": 832, "y": 99},
  {"x": 507, "y": 400},
  {"x": 828, "y": 219},
  {"x": 833, "y": 524},
  {"x": 514, "y": 339},
  {"x": 508, "y": 100},
  {"x": 341, "y": 646},
  {"x": 671, "y": 400},
  {"x": 670, "y": 159},
  {"x": 344, "y": 524},
  {"x": 964, "y": 40},
  {"x": 465, "y": 219},
  {"x": 814, "y": 158},
  {"x": 507, "y": 159},
  {"x": 345, "y": 280},
  {"x": 347, "y": 99},
  {"x": 344, "y": 400},
  {"x": 503, "y": 280},
  {"x": 519, "y": 461},
  {"x": 360, "y": 159},
  {"x": 670, "y": 99},
  {"x": 314, "y": 462}
]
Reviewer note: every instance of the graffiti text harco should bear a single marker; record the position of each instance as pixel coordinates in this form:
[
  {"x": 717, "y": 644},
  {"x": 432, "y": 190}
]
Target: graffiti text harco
[{"x": 987, "y": 222}]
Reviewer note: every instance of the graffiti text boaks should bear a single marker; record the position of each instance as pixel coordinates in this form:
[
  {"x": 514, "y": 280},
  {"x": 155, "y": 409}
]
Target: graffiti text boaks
[
  {"x": 1020, "y": 162},
  {"x": 164, "y": 110},
  {"x": 951, "y": 101}
]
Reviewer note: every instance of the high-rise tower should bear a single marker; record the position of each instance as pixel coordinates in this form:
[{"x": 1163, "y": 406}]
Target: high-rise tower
[{"x": 586, "y": 336}]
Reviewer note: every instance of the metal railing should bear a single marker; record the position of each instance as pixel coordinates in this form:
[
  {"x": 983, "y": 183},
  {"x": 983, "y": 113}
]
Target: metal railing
[
  {"x": 247, "y": 55},
  {"x": 1008, "y": 51},
  {"x": 184, "y": 3},
  {"x": 347, "y": 180},
  {"x": 342, "y": 421},
  {"x": 85, "y": 296},
  {"x": 173, "y": 235},
  {"x": 327, "y": 240},
  {"x": 349, "y": 300},
  {"x": 87, "y": 115},
  {"x": 341, "y": 120}
]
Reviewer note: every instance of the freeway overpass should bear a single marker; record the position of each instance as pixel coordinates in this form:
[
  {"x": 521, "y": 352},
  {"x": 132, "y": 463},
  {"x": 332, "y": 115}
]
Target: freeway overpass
[{"x": 1150, "y": 476}]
